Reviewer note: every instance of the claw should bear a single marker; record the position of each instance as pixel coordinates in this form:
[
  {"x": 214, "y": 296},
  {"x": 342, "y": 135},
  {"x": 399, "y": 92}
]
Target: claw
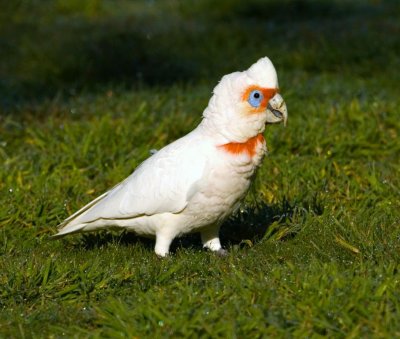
[{"x": 222, "y": 252}]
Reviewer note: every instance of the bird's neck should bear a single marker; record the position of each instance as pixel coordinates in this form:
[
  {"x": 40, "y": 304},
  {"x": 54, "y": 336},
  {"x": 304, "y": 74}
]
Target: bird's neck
[{"x": 248, "y": 147}]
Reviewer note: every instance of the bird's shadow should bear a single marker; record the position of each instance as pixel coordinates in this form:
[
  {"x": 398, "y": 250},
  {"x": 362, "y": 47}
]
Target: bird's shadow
[{"x": 247, "y": 227}]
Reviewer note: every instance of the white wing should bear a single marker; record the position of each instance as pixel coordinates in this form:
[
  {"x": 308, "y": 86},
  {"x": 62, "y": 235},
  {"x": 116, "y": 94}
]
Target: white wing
[{"x": 160, "y": 184}]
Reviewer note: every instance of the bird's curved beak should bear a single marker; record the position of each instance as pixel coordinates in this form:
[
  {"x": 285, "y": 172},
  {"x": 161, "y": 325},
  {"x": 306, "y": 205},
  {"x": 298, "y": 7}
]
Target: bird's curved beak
[{"x": 277, "y": 110}]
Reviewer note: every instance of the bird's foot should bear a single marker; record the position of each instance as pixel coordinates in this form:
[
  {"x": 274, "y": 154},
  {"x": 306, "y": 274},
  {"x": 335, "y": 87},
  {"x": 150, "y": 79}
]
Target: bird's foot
[{"x": 222, "y": 252}]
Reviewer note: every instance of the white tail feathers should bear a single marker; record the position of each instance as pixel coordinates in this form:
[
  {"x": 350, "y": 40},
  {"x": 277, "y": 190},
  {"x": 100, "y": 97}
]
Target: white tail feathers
[
  {"x": 69, "y": 229},
  {"x": 75, "y": 222}
]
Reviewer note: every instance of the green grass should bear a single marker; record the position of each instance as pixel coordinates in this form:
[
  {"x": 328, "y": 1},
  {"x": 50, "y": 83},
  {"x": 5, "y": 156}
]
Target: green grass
[{"x": 88, "y": 90}]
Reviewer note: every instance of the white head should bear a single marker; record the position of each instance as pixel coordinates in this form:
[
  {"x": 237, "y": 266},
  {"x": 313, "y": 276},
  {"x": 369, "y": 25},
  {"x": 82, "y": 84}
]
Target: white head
[{"x": 243, "y": 102}]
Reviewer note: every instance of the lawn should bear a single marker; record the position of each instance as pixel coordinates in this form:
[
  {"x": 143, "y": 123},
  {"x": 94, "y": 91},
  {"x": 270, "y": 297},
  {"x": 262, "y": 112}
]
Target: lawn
[{"x": 87, "y": 89}]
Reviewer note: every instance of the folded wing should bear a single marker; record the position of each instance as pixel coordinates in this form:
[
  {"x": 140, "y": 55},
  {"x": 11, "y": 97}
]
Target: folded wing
[{"x": 159, "y": 185}]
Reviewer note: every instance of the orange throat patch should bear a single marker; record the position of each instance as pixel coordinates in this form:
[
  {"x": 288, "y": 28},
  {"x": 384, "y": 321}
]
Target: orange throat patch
[{"x": 249, "y": 147}]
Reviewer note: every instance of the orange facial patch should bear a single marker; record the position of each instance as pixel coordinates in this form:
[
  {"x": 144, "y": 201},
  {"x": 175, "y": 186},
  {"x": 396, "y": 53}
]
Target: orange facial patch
[
  {"x": 248, "y": 146},
  {"x": 268, "y": 93}
]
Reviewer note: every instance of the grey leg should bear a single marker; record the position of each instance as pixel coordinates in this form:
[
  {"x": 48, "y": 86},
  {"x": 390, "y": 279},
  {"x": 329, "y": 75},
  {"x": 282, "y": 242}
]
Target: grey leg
[
  {"x": 210, "y": 239},
  {"x": 163, "y": 241}
]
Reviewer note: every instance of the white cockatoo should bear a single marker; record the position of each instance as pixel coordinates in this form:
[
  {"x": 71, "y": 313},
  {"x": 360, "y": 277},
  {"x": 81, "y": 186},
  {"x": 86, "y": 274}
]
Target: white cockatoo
[{"x": 197, "y": 181}]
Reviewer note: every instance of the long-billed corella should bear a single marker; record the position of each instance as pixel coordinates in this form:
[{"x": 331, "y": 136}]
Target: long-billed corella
[{"x": 197, "y": 181}]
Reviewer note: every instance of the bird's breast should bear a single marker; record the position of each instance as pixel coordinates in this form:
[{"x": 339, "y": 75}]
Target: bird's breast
[{"x": 226, "y": 180}]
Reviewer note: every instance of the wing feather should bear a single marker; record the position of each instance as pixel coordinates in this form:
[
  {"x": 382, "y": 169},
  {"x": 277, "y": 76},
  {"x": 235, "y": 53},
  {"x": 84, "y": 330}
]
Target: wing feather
[{"x": 160, "y": 184}]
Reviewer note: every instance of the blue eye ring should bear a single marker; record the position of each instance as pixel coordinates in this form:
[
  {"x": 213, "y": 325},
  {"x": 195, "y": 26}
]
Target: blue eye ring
[{"x": 255, "y": 98}]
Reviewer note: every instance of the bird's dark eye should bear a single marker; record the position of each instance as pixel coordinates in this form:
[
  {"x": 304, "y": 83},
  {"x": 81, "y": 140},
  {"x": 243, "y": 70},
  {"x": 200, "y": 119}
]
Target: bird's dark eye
[{"x": 255, "y": 98}]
